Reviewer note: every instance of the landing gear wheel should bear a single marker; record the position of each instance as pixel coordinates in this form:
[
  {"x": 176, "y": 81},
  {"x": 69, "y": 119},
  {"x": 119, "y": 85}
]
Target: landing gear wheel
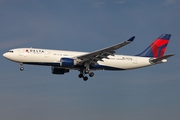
[
  {"x": 86, "y": 71},
  {"x": 91, "y": 74},
  {"x": 80, "y": 75},
  {"x": 21, "y": 68},
  {"x": 85, "y": 78}
]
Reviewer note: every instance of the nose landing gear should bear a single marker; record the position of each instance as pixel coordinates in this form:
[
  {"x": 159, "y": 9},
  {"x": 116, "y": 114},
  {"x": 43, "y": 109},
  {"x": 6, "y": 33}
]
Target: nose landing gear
[{"x": 21, "y": 68}]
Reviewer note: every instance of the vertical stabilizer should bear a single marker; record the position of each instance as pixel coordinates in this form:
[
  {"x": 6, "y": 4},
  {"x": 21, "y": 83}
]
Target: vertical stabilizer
[{"x": 157, "y": 48}]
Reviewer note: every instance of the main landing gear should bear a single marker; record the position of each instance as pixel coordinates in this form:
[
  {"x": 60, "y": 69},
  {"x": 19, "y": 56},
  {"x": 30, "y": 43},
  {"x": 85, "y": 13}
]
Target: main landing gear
[
  {"x": 21, "y": 68},
  {"x": 82, "y": 74},
  {"x": 86, "y": 71}
]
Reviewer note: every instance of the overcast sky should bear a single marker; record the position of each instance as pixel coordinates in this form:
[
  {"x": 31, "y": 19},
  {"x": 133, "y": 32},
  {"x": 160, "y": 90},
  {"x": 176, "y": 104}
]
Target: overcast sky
[{"x": 150, "y": 93}]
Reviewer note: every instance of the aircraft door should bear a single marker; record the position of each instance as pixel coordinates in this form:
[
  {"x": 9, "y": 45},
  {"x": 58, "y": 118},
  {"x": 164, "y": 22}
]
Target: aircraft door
[
  {"x": 134, "y": 61},
  {"x": 47, "y": 54},
  {"x": 23, "y": 53},
  {"x": 20, "y": 52}
]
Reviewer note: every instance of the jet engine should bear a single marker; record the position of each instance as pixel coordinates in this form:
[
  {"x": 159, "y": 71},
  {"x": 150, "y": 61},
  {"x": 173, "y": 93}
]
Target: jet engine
[
  {"x": 67, "y": 62},
  {"x": 57, "y": 70}
]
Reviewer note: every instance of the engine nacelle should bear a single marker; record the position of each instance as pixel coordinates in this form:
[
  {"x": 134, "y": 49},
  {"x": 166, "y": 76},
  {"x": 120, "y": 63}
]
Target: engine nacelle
[
  {"x": 57, "y": 70},
  {"x": 67, "y": 62}
]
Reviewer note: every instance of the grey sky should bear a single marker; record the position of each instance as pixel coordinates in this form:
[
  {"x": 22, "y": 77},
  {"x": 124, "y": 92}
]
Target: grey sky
[{"x": 87, "y": 25}]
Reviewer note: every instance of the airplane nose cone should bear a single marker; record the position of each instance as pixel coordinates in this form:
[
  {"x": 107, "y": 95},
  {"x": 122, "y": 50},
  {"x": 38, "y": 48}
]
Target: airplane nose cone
[
  {"x": 8, "y": 56},
  {"x": 4, "y": 54}
]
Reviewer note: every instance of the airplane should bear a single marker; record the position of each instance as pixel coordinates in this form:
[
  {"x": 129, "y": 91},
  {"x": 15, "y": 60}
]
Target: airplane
[{"x": 62, "y": 61}]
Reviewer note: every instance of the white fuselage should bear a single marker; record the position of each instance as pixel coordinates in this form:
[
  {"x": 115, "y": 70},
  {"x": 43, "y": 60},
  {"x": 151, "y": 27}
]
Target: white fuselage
[{"x": 49, "y": 57}]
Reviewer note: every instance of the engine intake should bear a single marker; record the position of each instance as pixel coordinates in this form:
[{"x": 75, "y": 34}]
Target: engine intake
[{"x": 67, "y": 62}]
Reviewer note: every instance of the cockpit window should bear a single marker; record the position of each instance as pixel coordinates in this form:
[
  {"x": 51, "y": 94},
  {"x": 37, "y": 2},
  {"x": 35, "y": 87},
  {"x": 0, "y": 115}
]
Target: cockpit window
[{"x": 10, "y": 51}]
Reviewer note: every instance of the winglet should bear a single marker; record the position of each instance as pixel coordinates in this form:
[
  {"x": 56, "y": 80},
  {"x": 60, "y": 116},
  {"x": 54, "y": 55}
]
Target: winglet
[{"x": 131, "y": 39}]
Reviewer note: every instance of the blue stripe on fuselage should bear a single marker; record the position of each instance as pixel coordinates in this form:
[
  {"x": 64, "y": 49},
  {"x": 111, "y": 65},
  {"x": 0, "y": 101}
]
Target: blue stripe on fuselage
[{"x": 95, "y": 67}]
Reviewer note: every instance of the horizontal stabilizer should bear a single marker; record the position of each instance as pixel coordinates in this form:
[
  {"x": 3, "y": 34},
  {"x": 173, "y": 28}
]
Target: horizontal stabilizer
[{"x": 159, "y": 60}]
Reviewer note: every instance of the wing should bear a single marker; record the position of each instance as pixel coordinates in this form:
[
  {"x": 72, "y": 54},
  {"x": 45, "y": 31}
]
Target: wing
[{"x": 98, "y": 55}]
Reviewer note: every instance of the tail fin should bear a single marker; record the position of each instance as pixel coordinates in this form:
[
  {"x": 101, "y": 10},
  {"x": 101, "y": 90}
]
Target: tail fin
[{"x": 157, "y": 48}]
